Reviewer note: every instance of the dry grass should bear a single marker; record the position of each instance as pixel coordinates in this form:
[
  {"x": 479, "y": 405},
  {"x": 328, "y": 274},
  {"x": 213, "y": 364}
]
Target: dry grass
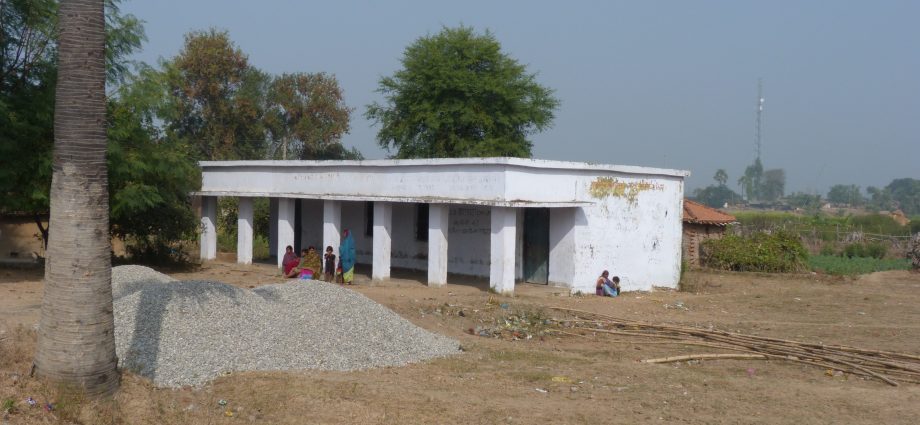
[{"x": 496, "y": 380}]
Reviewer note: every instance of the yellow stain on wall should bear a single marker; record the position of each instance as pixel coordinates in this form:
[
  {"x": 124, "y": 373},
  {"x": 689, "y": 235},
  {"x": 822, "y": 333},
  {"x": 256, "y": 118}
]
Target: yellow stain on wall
[{"x": 603, "y": 187}]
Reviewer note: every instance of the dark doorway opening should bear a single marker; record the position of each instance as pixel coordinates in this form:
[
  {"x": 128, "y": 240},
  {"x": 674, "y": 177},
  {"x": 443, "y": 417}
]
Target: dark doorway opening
[{"x": 536, "y": 245}]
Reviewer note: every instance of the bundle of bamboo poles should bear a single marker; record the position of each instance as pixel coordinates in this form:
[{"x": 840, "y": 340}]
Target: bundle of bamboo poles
[{"x": 887, "y": 366}]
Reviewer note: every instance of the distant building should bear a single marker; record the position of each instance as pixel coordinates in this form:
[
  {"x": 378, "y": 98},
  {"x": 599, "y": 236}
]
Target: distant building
[
  {"x": 508, "y": 219},
  {"x": 701, "y": 223}
]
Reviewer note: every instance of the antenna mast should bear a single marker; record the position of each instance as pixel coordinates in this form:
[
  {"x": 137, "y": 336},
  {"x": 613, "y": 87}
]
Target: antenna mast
[{"x": 758, "y": 132}]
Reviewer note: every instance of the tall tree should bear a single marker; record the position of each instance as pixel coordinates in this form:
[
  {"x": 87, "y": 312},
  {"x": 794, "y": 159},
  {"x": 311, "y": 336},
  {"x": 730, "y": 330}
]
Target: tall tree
[
  {"x": 76, "y": 343},
  {"x": 774, "y": 184},
  {"x": 752, "y": 181},
  {"x": 459, "y": 95},
  {"x": 217, "y": 98},
  {"x": 721, "y": 177},
  {"x": 307, "y": 115}
]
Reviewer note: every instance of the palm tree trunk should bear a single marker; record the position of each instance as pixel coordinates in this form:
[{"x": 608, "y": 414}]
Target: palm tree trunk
[{"x": 76, "y": 339}]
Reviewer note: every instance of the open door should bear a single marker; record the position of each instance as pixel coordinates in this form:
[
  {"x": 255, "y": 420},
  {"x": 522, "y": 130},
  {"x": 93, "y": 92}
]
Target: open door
[{"x": 536, "y": 245}]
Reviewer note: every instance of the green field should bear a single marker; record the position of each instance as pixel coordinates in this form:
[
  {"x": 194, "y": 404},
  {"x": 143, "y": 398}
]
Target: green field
[{"x": 832, "y": 264}]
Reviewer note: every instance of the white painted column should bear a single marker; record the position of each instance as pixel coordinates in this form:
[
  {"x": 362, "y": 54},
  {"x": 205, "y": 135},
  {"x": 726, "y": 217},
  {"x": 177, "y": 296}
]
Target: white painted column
[
  {"x": 244, "y": 232},
  {"x": 285, "y": 226},
  {"x": 208, "y": 228},
  {"x": 273, "y": 225},
  {"x": 332, "y": 225},
  {"x": 437, "y": 244},
  {"x": 383, "y": 225},
  {"x": 503, "y": 244}
]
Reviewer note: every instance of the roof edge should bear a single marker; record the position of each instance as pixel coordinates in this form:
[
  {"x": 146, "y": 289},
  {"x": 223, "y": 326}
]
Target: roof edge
[{"x": 516, "y": 162}]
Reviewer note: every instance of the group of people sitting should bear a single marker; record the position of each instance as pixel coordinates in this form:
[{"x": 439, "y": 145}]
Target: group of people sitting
[
  {"x": 310, "y": 266},
  {"x": 607, "y": 287}
]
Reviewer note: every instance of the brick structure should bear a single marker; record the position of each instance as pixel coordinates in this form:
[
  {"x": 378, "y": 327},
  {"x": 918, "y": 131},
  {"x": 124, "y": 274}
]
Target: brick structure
[{"x": 701, "y": 223}]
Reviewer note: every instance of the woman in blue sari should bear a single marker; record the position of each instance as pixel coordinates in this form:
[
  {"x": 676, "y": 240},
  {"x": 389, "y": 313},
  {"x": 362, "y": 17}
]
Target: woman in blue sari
[{"x": 347, "y": 257}]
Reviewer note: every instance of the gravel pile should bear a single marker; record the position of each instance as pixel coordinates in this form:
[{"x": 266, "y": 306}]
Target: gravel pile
[{"x": 189, "y": 332}]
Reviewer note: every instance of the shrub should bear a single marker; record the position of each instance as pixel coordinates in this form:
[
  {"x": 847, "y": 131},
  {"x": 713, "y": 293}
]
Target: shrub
[
  {"x": 828, "y": 249},
  {"x": 865, "y": 250},
  {"x": 760, "y": 252}
]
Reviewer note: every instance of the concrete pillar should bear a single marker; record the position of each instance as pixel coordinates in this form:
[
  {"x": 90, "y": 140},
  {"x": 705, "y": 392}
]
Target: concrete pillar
[
  {"x": 273, "y": 226},
  {"x": 437, "y": 244},
  {"x": 503, "y": 244},
  {"x": 208, "y": 228},
  {"x": 383, "y": 225},
  {"x": 285, "y": 226},
  {"x": 332, "y": 225},
  {"x": 244, "y": 232}
]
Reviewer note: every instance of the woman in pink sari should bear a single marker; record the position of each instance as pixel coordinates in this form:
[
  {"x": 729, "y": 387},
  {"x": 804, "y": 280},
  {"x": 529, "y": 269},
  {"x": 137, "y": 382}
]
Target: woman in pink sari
[{"x": 290, "y": 260}]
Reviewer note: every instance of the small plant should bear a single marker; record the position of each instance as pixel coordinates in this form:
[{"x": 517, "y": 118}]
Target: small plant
[{"x": 8, "y": 406}]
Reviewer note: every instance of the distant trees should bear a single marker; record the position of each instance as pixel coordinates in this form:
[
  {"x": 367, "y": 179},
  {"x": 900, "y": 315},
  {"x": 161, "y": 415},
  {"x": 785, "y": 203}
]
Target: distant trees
[
  {"x": 718, "y": 195},
  {"x": 805, "y": 201},
  {"x": 759, "y": 185},
  {"x": 721, "y": 177},
  {"x": 774, "y": 185},
  {"x": 459, "y": 95},
  {"x": 845, "y": 195}
]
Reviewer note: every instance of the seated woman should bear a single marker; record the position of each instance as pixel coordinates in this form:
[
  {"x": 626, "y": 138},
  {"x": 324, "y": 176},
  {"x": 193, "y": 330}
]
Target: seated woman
[
  {"x": 607, "y": 287},
  {"x": 310, "y": 263},
  {"x": 289, "y": 261}
]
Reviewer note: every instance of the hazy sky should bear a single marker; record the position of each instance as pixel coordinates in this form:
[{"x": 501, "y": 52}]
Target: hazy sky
[{"x": 655, "y": 83}]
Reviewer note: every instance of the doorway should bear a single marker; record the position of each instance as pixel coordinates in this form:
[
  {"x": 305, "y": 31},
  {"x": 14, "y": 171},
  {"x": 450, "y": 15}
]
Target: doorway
[{"x": 536, "y": 245}]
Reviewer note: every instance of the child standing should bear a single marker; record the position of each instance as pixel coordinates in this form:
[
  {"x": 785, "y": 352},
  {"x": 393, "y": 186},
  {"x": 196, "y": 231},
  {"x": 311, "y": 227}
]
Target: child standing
[{"x": 329, "y": 269}]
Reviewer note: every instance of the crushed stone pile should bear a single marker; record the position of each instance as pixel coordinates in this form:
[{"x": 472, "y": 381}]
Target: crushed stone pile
[{"x": 189, "y": 332}]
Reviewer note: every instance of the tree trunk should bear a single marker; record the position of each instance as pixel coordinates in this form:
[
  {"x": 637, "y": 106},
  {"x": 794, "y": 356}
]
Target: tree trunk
[{"x": 76, "y": 339}]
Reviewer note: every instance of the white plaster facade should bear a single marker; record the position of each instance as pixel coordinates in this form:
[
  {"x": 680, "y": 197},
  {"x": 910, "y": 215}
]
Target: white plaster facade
[{"x": 622, "y": 218}]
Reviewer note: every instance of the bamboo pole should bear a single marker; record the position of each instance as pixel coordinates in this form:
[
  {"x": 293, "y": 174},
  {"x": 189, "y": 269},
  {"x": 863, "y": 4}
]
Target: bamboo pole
[{"x": 707, "y": 357}]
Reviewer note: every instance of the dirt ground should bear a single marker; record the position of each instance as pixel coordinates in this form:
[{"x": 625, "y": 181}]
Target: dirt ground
[{"x": 557, "y": 379}]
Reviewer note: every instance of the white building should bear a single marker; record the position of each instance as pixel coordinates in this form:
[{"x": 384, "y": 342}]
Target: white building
[{"x": 507, "y": 219}]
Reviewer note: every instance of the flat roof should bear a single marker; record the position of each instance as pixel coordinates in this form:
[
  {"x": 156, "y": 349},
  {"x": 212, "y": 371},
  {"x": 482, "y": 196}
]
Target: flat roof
[
  {"x": 516, "y": 162},
  {"x": 517, "y": 203}
]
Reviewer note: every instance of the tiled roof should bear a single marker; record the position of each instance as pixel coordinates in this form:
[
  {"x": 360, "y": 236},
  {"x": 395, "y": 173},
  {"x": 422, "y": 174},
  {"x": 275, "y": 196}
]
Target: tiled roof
[{"x": 695, "y": 212}]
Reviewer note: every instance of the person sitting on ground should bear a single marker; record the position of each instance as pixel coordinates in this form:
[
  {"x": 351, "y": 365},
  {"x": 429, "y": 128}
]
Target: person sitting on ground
[
  {"x": 289, "y": 261},
  {"x": 606, "y": 286},
  {"x": 329, "y": 269},
  {"x": 312, "y": 262},
  {"x": 295, "y": 271},
  {"x": 309, "y": 264}
]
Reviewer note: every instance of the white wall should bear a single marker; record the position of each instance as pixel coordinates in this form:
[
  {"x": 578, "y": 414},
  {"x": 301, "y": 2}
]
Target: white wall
[{"x": 633, "y": 233}]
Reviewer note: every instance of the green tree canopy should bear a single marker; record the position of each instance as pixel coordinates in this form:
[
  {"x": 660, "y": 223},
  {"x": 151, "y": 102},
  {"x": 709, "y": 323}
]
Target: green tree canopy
[
  {"x": 307, "y": 116},
  {"x": 217, "y": 100},
  {"x": 28, "y": 71},
  {"x": 906, "y": 192},
  {"x": 842, "y": 194},
  {"x": 459, "y": 95}
]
